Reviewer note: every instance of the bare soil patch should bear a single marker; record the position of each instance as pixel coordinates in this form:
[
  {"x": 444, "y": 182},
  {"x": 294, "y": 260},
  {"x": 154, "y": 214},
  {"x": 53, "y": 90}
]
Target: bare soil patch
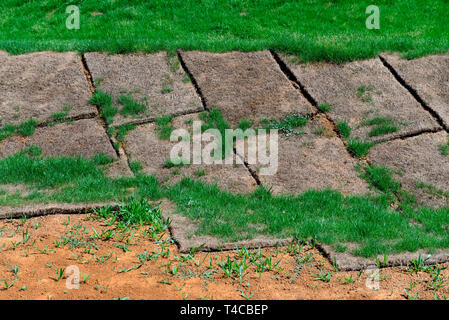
[
  {"x": 245, "y": 85},
  {"x": 155, "y": 80},
  {"x": 360, "y": 91},
  {"x": 142, "y": 144},
  {"x": 417, "y": 160},
  {"x": 40, "y": 84},
  {"x": 428, "y": 77},
  {"x": 109, "y": 272}
]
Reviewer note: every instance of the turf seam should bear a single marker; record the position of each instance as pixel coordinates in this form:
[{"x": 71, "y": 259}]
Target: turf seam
[
  {"x": 413, "y": 92},
  {"x": 299, "y": 86},
  {"x": 252, "y": 172},
  {"x": 204, "y": 103},
  {"x": 92, "y": 86},
  {"x": 192, "y": 78}
]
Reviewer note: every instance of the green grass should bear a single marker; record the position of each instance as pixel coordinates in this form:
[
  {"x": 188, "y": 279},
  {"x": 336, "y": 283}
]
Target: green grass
[
  {"x": 359, "y": 148},
  {"x": 288, "y": 125},
  {"x": 382, "y": 126},
  {"x": 312, "y": 29},
  {"x": 122, "y": 131},
  {"x": 245, "y": 124},
  {"x": 25, "y": 129},
  {"x": 131, "y": 107},
  {"x": 164, "y": 127},
  {"x": 326, "y": 216},
  {"x": 324, "y": 107},
  {"x": 444, "y": 148},
  {"x": 344, "y": 129},
  {"x": 382, "y": 130},
  {"x": 104, "y": 102}
]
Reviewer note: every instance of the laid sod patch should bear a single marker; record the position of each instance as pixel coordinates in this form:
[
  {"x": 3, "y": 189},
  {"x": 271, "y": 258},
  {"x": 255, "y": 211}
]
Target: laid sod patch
[
  {"x": 144, "y": 145},
  {"x": 85, "y": 138},
  {"x": 80, "y": 138},
  {"x": 417, "y": 161},
  {"x": 39, "y": 85},
  {"x": 309, "y": 161},
  {"x": 289, "y": 26},
  {"x": 429, "y": 78},
  {"x": 361, "y": 91},
  {"x": 134, "y": 85},
  {"x": 247, "y": 86}
]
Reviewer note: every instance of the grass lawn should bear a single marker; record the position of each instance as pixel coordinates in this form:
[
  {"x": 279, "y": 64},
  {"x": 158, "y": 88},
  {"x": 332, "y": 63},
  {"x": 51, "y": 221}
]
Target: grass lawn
[
  {"x": 325, "y": 216},
  {"x": 312, "y": 29}
]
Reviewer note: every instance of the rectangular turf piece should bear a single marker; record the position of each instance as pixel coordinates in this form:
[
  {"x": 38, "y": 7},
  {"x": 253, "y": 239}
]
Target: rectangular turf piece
[
  {"x": 365, "y": 96},
  {"x": 312, "y": 159},
  {"x": 429, "y": 78},
  {"x": 41, "y": 84},
  {"x": 244, "y": 85},
  {"x": 143, "y": 144},
  {"x": 419, "y": 164},
  {"x": 80, "y": 138},
  {"x": 143, "y": 86}
]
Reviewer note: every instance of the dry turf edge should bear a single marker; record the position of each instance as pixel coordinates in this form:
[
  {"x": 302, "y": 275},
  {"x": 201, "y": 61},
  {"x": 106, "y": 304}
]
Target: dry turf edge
[{"x": 231, "y": 227}]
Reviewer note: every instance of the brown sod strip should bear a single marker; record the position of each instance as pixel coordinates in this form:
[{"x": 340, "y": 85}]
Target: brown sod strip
[
  {"x": 182, "y": 230},
  {"x": 38, "y": 85},
  {"x": 429, "y": 78},
  {"x": 244, "y": 85},
  {"x": 50, "y": 209},
  {"x": 316, "y": 159},
  {"x": 349, "y": 262},
  {"x": 155, "y": 80},
  {"x": 417, "y": 160},
  {"x": 361, "y": 92},
  {"x": 85, "y": 138},
  {"x": 143, "y": 145}
]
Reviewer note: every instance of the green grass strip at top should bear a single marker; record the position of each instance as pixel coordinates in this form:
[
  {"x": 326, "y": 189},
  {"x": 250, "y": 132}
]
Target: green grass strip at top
[{"x": 315, "y": 30}]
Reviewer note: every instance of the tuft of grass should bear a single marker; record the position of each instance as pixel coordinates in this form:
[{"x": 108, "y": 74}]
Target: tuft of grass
[
  {"x": 245, "y": 124},
  {"x": 364, "y": 93},
  {"x": 104, "y": 102},
  {"x": 131, "y": 107},
  {"x": 359, "y": 148},
  {"x": 382, "y": 126},
  {"x": 344, "y": 129},
  {"x": 122, "y": 131},
  {"x": 171, "y": 164},
  {"x": 444, "y": 148},
  {"x": 135, "y": 166},
  {"x": 164, "y": 127},
  {"x": 324, "y": 108},
  {"x": 382, "y": 130},
  {"x": 381, "y": 178},
  {"x": 288, "y": 125},
  {"x": 25, "y": 129}
]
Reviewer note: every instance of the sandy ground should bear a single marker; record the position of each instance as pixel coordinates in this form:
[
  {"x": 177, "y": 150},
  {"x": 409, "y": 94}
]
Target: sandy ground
[{"x": 32, "y": 253}]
